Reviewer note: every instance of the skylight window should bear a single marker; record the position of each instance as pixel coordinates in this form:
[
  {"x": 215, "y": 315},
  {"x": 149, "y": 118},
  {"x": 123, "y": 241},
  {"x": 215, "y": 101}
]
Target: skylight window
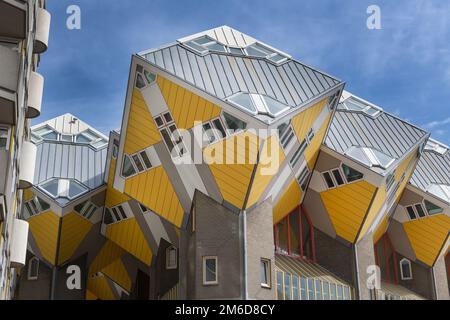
[
  {"x": 258, "y": 50},
  {"x": 86, "y": 137},
  {"x": 435, "y": 146},
  {"x": 63, "y": 190},
  {"x": 258, "y": 104},
  {"x": 205, "y": 44},
  {"x": 352, "y": 104},
  {"x": 370, "y": 157},
  {"x": 441, "y": 191}
]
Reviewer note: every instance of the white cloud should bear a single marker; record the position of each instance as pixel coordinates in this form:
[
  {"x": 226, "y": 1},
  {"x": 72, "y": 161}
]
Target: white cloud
[{"x": 437, "y": 123}]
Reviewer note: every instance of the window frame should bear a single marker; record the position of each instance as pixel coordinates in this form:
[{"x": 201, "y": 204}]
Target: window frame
[
  {"x": 168, "y": 265},
  {"x": 216, "y": 281},
  {"x": 303, "y": 178},
  {"x": 215, "y": 130},
  {"x": 6, "y": 129},
  {"x": 293, "y": 162},
  {"x": 115, "y": 217},
  {"x": 333, "y": 178},
  {"x": 402, "y": 276},
  {"x": 166, "y": 126},
  {"x": 267, "y": 263},
  {"x": 31, "y": 277}
]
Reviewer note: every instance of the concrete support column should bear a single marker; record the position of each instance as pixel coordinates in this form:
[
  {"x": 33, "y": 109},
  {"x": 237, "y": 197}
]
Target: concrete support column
[
  {"x": 439, "y": 278},
  {"x": 364, "y": 257}
]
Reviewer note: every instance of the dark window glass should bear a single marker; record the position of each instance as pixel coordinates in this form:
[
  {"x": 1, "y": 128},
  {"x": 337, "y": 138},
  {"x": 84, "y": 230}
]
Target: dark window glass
[
  {"x": 143, "y": 208},
  {"x": 338, "y": 177},
  {"x": 116, "y": 214},
  {"x": 208, "y": 134},
  {"x": 351, "y": 174},
  {"x": 167, "y": 140},
  {"x": 411, "y": 213},
  {"x": 168, "y": 117},
  {"x": 234, "y": 123},
  {"x": 159, "y": 121},
  {"x": 44, "y": 205},
  {"x": 218, "y": 125},
  {"x": 79, "y": 207},
  {"x": 282, "y": 236},
  {"x": 432, "y": 208},
  {"x": 122, "y": 212},
  {"x": 146, "y": 160},
  {"x": 328, "y": 180},
  {"x": 306, "y": 238},
  {"x": 127, "y": 168},
  {"x": 138, "y": 163},
  {"x": 210, "y": 270},
  {"x": 140, "y": 81},
  {"x": 419, "y": 210},
  {"x": 406, "y": 269},
  {"x": 107, "y": 219}
]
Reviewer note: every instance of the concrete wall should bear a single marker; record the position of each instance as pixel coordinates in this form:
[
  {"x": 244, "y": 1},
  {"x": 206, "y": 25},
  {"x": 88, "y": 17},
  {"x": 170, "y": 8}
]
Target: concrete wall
[
  {"x": 34, "y": 289},
  {"x": 364, "y": 257},
  {"x": 440, "y": 280},
  {"x": 260, "y": 244}
]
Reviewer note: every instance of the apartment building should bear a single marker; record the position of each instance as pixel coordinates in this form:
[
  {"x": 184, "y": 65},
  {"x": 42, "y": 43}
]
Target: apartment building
[
  {"x": 238, "y": 173},
  {"x": 24, "y": 32}
]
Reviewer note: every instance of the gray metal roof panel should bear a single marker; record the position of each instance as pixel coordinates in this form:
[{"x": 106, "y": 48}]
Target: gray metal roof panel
[
  {"x": 433, "y": 168},
  {"x": 384, "y": 132},
  {"x": 222, "y": 74}
]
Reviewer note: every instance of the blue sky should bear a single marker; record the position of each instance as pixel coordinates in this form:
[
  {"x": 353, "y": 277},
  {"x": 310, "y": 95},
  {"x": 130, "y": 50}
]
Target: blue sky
[{"x": 404, "y": 67}]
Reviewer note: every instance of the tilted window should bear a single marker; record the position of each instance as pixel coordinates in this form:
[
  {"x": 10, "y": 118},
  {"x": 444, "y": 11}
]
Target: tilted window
[
  {"x": 234, "y": 123},
  {"x": 33, "y": 269},
  {"x": 405, "y": 269},
  {"x": 258, "y": 104},
  {"x": 171, "y": 258},
  {"x": 210, "y": 270},
  {"x": 34, "y": 206},
  {"x": 86, "y": 209},
  {"x": 353, "y": 104},
  {"x": 370, "y": 157},
  {"x": 169, "y": 132},
  {"x": 63, "y": 190}
]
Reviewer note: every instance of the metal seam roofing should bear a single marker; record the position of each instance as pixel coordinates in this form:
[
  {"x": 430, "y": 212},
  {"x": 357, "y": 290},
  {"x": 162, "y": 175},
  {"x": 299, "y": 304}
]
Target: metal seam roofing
[
  {"x": 224, "y": 74},
  {"x": 433, "y": 168},
  {"x": 384, "y": 132}
]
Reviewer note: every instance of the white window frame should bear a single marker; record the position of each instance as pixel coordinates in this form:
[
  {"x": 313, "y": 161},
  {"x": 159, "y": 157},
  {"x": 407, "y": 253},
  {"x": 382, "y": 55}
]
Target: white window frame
[
  {"x": 166, "y": 126},
  {"x": 8, "y": 135},
  {"x": 168, "y": 265},
  {"x": 37, "y": 205},
  {"x": 215, "y": 131},
  {"x": 364, "y": 107},
  {"x": 333, "y": 178},
  {"x": 303, "y": 177},
  {"x": 403, "y": 277},
  {"x": 84, "y": 210},
  {"x": 204, "y": 259},
  {"x": 298, "y": 153},
  {"x": 266, "y": 56},
  {"x": 268, "y": 268},
  {"x": 310, "y": 136},
  {"x": 287, "y": 139},
  {"x": 134, "y": 165},
  {"x": 30, "y": 263},
  {"x": 413, "y": 206},
  {"x": 119, "y": 213}
]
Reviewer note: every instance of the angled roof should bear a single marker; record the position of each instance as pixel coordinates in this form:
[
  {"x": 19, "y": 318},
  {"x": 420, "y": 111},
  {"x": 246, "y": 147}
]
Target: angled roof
[
  {"x": 381, "y": 131},
  {"x": 82, "y": 161},
  {"x": 222, "y": 74},
  {"x": 433, "y": 167}
]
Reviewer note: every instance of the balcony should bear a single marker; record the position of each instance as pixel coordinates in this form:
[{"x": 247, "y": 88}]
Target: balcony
[
  {"x": 42, "y": 31},
  {"x": 19, "y": 240},
  {"x": 9, "y": 75},
  {"x": 27, "y": 163},
  {"x": 13, "y": 19},
  {"x": 35, "y": 91}
]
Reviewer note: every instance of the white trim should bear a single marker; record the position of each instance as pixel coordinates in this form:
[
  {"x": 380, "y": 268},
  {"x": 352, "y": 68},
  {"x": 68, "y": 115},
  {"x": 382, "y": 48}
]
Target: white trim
[
  {"x": 215, "y": 258},
  {"x": 30, "y": 263},
  {"x": 168, "y": 265},
  {"x": 409, "y": 267},
  {"x": 268, "y": 269}
]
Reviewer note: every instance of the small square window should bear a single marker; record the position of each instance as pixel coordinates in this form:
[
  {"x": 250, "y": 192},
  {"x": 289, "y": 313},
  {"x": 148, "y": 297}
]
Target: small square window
[
  {"x": 159, "y": 121},
  {"x": 210, "y": 276},
  {"x": 168, "y": 117},
  {"x": 338, "y": 177},
  {"x": 420, "y": 210},
  {"x": 171, "y": 258},
  {"x": 265, "y": 273},
  {"x": 329, "y": 181}
]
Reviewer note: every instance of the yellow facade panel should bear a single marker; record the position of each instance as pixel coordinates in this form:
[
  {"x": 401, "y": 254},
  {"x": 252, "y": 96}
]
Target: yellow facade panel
[
  {"x": 347, "y": 206},
  {"x": 107, "y": 255},
  {"x": 159, "y": 195},
  {"x": 377, "y": 204},
  {"x": 427, "y": 236},
  {"x": 287, "y": 202},
  {"x": 73, "y": 230},
  {"x": 141, "y": 129},
  {"x": 100, "y": 288},
  {"x": 262, "y": 179},
  {"x": 381, "y": 229},
  {"x": 117, "y": 272},
  {"x": 185, "y": 106},
  {"x": 113, "y": 197},
  {"x": 45, "y": 230},
  {"x": 304, "y": 121},
  {"x": 129, "y": 236},
  {"x": 312, "y": 151}
]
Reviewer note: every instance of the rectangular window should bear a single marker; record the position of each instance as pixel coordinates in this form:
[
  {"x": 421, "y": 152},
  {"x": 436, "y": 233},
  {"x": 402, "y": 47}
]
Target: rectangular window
[
  {"x": 210, "y": 276},
  {"x": 287, "y": 287},
  {"x": 346, "y": 293},
  {"x": 339, "y": 292},
  {"x": 326, "y": 291},
  {"x": 146, "y": 160},
  {"x": 287, "y": 137},
  {"x": 411, "y": 213},
  {"x": 265, "y": 273},
  {"x": 171, "y": 258},
  {"x": 329, "y": 181},
  {"x": 390, "y": 181},
  {"x": 138, "y": 163},
  {"x": 298, "y": 153},
  {"x": 318, "y": 290},
  {"x": 295, "y": 292},
  {"x": 338, "y": 178},
  {"x": 303, "y": 177},
  {"x": 311, "y": 289},
  {"x": 420, "y": 210},
  {"x": 310, "y": 135},
  {"x": 303, "y": 289},
  {"x": 333, "y": 294},
  {"x": 219, "y": 126},
  {"x": 4, "y": 138},
  {"x": 280, "y": 285}
]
